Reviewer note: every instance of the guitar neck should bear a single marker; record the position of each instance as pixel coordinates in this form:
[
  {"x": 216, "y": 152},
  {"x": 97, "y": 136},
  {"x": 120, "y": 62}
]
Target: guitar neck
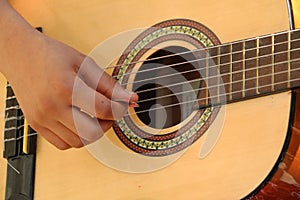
[{"x": 251, "y": 68}]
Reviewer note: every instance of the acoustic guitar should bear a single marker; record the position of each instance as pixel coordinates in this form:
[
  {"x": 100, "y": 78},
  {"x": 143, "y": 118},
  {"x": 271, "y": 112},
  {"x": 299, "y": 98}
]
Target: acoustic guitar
[{"x": 219, "y": 104}]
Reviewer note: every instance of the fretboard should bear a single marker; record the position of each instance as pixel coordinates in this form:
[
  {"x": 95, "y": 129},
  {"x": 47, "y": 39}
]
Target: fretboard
[{"x": 252, "y": 68}]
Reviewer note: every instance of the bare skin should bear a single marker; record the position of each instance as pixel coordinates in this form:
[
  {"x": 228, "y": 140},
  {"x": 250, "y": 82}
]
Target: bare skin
[{"x": 42, "y": 73}]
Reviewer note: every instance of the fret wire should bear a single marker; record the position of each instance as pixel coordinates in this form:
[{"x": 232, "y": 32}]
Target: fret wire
[
  {"x": 231, "y": 68},
  {"x": 193, "y": 101},
  {"x": 207, "y": 48},
  {"x": 273, "y": 63},
  {"x": 234, "y": 82},
  {"x": 289, "y": 74},
  {"x": 187, "y": 91},
  {"x": 33, "y": 134},
  {"x": 219, "y": 68},
  {"x": 192, "y": 70},
  {"x": 207, "y": 76},
  {"x": 289, "y": 62},
  {"x": 243, "y": 69},
  {"x": 257, "y": 66}
]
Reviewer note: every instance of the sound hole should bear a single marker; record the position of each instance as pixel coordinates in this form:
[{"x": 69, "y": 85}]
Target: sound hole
[{"x": 168, "y": 85}]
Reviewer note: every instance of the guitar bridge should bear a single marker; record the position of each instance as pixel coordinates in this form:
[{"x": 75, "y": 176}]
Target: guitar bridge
[{"x": 20, "y": 165}]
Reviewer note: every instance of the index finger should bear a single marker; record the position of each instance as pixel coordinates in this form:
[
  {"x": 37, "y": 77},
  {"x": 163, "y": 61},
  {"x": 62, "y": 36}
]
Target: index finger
[
  {"x": 96, "y": 78},
  {"x": 94, "y": 103}
]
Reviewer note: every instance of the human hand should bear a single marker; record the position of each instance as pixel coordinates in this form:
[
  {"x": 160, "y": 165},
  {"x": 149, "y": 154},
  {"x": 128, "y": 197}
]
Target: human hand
[{"x": 52, "y": 87}]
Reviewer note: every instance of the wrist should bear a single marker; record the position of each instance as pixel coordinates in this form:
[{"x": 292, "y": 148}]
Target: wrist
[{"x": 17, "y": 38}]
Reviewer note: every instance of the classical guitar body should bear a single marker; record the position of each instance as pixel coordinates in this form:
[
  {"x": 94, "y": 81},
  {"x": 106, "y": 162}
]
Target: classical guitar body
[{"x": 243, "y": 149}]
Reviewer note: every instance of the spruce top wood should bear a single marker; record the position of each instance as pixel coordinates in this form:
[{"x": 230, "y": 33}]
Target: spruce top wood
[{"x": 254, "y": 138}]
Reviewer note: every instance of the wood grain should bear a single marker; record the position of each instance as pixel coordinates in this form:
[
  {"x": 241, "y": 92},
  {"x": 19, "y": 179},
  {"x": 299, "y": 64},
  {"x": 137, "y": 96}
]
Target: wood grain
[{"x": 253, "y": 130}]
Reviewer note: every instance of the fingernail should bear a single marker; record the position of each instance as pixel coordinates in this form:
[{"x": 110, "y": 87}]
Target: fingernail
[
  {"x": 134, "y": 105},
  {"x": 130, "y": 103}
]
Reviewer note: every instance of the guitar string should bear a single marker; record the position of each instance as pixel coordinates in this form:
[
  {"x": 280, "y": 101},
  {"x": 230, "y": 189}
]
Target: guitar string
[
  {"x": 8, "y": 118},
  {"x": 19, "y": 138},
  {"x": 171, "y": 105},
  {"x": 215, "y": 66},
  {"x": 8, "y": 140},
  {"x": 153, "y": 109},
  {"x": 248, "y": 69},
  {"x": 224, "y": 84},
  {"x": 220, "y": 76},
  {"x": 217, "y": 46},
  {"x": 212, "y": 57},
  {"x": 210, "y": 97},
  {"x": 214, "y": 86},
  {"x": 208, "y": 48},
  {"x": 217, "y": 76},
  {"x": 217, "y": 85},
  {"x": 10, "y": 165}
]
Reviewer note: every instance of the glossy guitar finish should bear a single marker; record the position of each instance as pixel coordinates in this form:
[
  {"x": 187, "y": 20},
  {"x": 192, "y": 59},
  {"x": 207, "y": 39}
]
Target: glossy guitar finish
[
  {"x": 254, "y": 132},
  {"x": 283, "y": 182}
]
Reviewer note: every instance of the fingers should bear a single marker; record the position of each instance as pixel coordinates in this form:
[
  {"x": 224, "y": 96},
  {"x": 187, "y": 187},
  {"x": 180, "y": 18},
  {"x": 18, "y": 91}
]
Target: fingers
[
  {"x": 53, "y": 139},
  {"x": 59, "y": 135},
  {"x": 76, "y": 131},
  {"x": 68, "y": 136},
  {"x": 98, "y": 79},
  {"x": 95, "y": 103},
  {"x": 87, "y": 128},
  {"x": 95, "y": 93}
]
